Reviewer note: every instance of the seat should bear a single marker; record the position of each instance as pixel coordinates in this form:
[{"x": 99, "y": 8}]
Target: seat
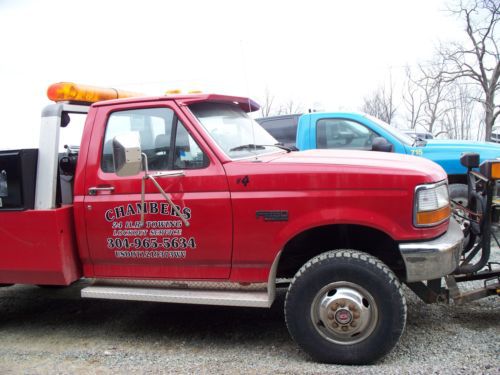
[{"x": 162, "y": 149}]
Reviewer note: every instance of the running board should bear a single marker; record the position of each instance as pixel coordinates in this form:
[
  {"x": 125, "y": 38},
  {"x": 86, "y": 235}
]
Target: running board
[{"x": 192, "y": 296}]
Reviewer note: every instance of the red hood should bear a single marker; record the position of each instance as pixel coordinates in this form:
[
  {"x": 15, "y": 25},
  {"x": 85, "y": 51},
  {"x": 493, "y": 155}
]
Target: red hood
[
  {"x": 329, "y": 169},
  {"x": 378, "y": 162}
]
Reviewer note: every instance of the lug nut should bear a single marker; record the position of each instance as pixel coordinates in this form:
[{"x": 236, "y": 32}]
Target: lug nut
[
  {"x": 345, "y": 328},
  {"x": 354, "y": 323},
  {"x": 356, "y": 314},
  {"x": 331, "y": 315}
]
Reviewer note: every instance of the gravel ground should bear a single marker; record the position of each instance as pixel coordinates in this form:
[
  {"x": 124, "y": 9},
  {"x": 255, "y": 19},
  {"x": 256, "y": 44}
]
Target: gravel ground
[{"x": 54, "y": 331}]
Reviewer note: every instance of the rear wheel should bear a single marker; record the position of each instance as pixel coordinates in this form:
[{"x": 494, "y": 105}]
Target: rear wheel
[{"x": 345, "y": 307}]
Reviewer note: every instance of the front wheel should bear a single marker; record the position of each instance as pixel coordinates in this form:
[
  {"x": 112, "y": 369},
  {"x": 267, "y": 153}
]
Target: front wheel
[{"x": 345, "y": 307}]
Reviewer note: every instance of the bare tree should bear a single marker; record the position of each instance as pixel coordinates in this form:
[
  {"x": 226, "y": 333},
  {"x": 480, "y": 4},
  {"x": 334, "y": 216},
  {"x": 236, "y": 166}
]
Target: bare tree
[
  {"x": 435, "y": 89},
  {"x": 479, "y": 60},
  {"x": 289, "y": 108},
  {"x": 380, "y": 104},
  {"x": 460, "y": 119},
  {"x": 270, "y": 108},
  {"x": 267, "y": 106},
  {"x": 412, "y": 99}
]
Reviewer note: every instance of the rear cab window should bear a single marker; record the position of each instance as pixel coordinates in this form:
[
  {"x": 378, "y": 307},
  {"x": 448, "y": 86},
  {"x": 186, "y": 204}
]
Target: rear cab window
[{"x": 283, "y": 128}]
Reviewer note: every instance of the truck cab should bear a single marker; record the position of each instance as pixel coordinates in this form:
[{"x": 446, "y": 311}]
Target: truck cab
[
  {"x": 357, "y": 131},
  {"x": 186, "y": 199}
]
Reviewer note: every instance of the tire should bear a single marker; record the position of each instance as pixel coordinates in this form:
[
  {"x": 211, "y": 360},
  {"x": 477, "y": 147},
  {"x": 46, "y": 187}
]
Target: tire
[
  {"x": 459, "y": 193},
  {"x": 345, "y": 307}
]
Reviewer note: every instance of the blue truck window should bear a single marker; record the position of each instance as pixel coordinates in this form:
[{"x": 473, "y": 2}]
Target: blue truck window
[{"x": 340, "y": 133}]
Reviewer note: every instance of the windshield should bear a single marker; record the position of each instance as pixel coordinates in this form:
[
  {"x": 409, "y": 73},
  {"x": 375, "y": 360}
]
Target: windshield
[
  {"x": 233, "y": 130},
  {"x": 400, "y": 136}
]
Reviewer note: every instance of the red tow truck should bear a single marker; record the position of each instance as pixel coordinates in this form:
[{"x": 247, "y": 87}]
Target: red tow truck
[{"x": 186, "y": 199}]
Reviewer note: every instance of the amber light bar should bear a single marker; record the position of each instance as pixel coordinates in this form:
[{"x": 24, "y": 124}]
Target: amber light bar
[{"x": 72, "y": 92}]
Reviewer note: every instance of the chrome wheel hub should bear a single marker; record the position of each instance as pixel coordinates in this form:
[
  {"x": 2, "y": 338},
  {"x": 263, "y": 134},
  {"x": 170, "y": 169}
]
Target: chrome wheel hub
[{"x": 344, "y": 313}]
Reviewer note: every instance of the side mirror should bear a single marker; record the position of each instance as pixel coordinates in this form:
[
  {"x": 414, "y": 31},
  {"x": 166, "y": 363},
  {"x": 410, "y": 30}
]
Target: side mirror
[
  {"x": 470, "y": 160},
  {"x": 381, "y": 144},
  {"x": 127, "y": 157}
]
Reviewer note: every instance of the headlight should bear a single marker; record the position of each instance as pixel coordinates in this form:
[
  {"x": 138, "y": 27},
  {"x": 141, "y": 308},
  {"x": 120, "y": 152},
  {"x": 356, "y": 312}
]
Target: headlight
[{"x": 432, "y": 204}]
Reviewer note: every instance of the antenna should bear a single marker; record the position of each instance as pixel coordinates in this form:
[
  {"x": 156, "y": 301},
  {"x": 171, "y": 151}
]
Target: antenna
[{"x": 247, "y": 94}]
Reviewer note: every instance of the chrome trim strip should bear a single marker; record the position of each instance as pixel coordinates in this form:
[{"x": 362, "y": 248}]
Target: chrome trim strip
[
  {"x": 180, "y": 284},
  {"x": 197, "y": 297}
]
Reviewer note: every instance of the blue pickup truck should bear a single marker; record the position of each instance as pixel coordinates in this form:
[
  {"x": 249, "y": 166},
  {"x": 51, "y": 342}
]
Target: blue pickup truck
[{"x": 356, "y": 131}]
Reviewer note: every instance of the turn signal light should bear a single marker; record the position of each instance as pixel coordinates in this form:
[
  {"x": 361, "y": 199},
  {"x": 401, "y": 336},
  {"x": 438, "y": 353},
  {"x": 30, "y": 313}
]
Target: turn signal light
[
  {"x": 425, "y": 218},
  {"x": 490, "y": 169},
  {"x": 495, "y": 171},
  {"x": 67, "y": 91}
]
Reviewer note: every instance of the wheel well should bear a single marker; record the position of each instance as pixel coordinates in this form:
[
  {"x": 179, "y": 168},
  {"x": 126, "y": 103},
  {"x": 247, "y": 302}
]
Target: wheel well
[
  {"x": 315, "y": 241},
  {"x": 457, "y": 179}
]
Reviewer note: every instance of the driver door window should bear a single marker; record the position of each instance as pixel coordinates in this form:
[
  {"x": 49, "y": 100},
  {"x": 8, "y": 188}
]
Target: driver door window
[
  {"x": 344, "y": 134},
  {"x": 164, "y": 139}
]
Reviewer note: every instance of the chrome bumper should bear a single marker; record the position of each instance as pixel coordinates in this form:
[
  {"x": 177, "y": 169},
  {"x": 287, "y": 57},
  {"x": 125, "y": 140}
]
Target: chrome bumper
[{"x": 430, "y": 260}]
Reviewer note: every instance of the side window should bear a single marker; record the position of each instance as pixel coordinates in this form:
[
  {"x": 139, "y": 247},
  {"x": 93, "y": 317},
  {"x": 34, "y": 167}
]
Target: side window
[
  {"x": 283, "y": 129},
  {"x": 343, "y": 134},
  {"x": 156, "y": 127},
  {"x": 188, "y": 154}
]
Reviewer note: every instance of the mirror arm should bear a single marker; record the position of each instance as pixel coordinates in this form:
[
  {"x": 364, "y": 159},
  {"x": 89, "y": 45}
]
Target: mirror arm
[
  {"x": 145, "y": 163},
  {"x": 160, "y": 189},
  {"x": 177, "y": 211},
  {"x": 143, "y": 198}
]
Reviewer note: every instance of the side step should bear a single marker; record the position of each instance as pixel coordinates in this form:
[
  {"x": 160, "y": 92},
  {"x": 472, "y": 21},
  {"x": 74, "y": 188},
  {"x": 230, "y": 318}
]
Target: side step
[{"x": 246, "y": 298}]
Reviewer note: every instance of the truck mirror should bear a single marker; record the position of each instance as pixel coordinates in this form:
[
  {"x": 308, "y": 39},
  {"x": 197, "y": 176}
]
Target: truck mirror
[
  {"x": 381, "y": 144},
  {"x": 470, "y": 160},
  {"x": 127, "y": 157}
]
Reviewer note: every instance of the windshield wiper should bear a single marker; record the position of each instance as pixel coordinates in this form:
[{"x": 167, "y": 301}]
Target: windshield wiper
[
  {"x": 248, "y": 147},
  {"x": 252, "y": 146}
]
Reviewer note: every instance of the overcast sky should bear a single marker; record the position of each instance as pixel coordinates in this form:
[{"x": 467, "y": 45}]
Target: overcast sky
[{"x": 327, "y": 54}]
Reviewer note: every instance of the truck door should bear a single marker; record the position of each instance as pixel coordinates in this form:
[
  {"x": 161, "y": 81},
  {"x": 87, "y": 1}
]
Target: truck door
[{"x": 163, "y": 247}]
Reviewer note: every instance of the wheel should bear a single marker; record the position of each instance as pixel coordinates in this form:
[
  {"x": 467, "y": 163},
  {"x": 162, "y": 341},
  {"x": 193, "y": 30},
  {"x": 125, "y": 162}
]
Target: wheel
[{"x": 345, "y": 307}]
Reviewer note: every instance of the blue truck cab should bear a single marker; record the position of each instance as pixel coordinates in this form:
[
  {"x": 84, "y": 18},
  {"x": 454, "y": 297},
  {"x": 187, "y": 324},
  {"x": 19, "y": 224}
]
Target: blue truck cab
[{"x": 357, "y": 131}]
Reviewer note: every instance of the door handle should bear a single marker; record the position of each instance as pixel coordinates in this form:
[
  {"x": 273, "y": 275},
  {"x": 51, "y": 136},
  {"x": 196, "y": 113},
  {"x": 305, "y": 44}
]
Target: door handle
[{"x": 94, "y": 189}]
